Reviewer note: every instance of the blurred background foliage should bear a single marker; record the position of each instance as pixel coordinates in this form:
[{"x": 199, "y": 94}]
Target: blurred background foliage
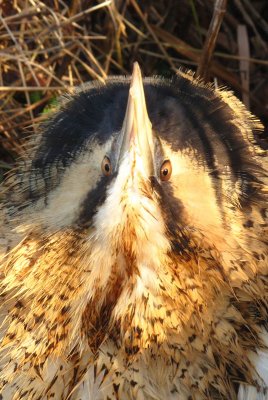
[{"x": 48, "y": 47}]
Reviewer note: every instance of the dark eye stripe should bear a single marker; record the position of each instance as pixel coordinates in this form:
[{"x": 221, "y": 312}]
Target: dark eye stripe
[
  {"x": 94, "y": 199},
  {"x": 174, "y": 217}
]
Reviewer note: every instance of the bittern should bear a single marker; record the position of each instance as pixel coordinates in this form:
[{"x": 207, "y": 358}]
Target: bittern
[{"x": 134, "y": 248}]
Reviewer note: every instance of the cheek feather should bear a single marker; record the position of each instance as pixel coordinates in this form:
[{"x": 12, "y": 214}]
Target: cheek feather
[
  {"x": 192, "y": 185},
  {"x": 61, "y": 206}
]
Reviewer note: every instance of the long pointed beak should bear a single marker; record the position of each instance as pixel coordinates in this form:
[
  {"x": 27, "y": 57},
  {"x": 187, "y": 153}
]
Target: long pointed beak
[{"x": 137, "y": 127}]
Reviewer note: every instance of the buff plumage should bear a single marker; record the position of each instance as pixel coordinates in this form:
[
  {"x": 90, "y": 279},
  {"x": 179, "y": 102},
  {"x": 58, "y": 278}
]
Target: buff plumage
[{"x": 118, "y": 283}]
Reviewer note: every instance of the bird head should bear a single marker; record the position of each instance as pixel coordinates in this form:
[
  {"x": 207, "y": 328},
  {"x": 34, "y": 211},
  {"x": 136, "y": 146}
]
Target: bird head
[{"x": 130, "y": 218}]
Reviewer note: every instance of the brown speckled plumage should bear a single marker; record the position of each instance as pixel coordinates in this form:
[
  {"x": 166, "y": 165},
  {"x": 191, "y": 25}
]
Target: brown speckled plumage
[{"x": 121, "y": 285}]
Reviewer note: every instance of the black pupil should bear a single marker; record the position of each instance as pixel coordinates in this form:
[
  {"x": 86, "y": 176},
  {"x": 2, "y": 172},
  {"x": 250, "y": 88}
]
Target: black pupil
[
  {"x": 165, "y": 171},
  {"x": 107, "y": 167}
]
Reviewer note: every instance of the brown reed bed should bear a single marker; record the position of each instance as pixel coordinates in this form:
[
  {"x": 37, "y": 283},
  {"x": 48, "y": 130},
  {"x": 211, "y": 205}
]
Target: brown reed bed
[{"x": 48, "y": 47}]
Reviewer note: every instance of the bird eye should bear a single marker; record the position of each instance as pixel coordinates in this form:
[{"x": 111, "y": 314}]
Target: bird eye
[
  {"x": 106, "y": 166},
  {"x": 165, "y": 170}
]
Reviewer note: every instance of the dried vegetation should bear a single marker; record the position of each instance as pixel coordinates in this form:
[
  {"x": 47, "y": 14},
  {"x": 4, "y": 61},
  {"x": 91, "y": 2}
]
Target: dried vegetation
[{"x": 47, "y": 47}]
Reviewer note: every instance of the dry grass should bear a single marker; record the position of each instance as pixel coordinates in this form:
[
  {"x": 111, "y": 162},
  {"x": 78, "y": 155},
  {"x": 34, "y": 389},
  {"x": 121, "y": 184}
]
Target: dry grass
[{"x": 48, "y": 47}]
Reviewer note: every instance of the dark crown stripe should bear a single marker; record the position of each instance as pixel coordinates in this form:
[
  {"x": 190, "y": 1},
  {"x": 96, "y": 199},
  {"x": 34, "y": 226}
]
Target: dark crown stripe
[{"x": 220, "y": 116}]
